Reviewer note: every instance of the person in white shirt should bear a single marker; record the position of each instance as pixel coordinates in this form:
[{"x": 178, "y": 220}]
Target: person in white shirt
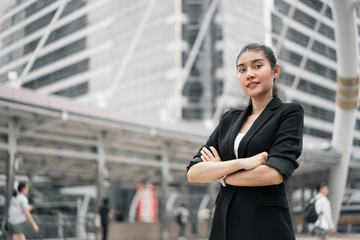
[
  {"x": 324, "y": 225},
  {"x": 183, "y": 214},
  {"x": 19, "y": 212}
]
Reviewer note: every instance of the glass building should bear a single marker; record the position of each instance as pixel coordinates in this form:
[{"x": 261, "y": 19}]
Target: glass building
[{"x": 130, "y": 55}]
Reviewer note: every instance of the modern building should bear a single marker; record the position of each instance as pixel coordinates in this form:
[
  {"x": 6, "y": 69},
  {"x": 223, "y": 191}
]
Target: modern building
[{"x": 172, "y": 60}]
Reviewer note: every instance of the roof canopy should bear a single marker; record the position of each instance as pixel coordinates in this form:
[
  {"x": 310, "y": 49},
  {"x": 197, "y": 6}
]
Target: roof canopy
[{"x": 61, "y": 138}]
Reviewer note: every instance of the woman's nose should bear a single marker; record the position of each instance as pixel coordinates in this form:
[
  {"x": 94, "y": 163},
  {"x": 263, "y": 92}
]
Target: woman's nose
[{"x": 250, "y": 74}]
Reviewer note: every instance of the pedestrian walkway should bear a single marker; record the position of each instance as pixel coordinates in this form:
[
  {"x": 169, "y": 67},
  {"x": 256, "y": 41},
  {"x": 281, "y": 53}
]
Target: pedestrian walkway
[
  {"x": 308, "y": 237},
  {"x": 337, "y": 237}
]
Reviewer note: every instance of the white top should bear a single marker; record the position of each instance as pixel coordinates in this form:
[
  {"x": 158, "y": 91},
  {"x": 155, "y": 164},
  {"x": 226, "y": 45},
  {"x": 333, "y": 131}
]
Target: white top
[
  {"x": 16, "y": 209},
  {"x": 184, "y": 214},
  {"x": 238, "y": 139},
  {"x": 323, "y": 209}
]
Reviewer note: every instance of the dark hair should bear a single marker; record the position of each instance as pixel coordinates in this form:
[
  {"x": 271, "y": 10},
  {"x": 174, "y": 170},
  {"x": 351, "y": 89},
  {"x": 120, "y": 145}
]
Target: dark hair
[
  {"x": 320, "y": 186},
  {"x": 105, "y": 201},
  {"x": 21, "y": 186},
  {"x": 268, "y": 53}
]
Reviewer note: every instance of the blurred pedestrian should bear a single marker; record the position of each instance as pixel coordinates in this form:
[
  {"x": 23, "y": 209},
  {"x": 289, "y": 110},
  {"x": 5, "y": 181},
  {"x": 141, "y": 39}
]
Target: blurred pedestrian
[
  {"x": 105, "y": 215},
  {"x": 182, "y": 218},
  {"x": 324, "y": 225},
  {"x": 252, "y": 153},
  {"x": 19, "y": 211}
]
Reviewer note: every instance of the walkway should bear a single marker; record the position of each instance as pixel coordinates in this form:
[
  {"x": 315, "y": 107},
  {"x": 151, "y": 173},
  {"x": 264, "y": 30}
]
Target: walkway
[{"x": 308, "y": 237}]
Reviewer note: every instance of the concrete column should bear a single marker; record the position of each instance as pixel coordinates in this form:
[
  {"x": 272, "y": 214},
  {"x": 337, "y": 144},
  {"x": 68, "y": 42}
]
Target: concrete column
[
  {"x": 212, "y": 189},
  {"x": 10, "y": 171},
  {"x": 100, "y": 170},
  {"x": 165, "y": 177},
  {"x": 346, "y": 98}
]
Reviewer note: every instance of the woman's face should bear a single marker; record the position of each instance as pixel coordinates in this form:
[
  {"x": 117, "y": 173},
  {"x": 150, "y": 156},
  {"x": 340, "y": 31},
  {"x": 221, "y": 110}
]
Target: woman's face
[
  {"x": 25, "y": 190},
  {"x": 255, "y": 74}
]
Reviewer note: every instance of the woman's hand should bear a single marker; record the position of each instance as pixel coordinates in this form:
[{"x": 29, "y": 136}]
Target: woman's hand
[
  {"x": 36, "y": 228},
  {"x": 207, "y": 156},
  {"x": 254, "y": 161}
]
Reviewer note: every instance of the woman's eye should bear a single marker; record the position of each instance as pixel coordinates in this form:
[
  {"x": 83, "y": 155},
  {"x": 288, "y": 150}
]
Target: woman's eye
[
  {"x": 258, "y": 65},
  {"x": 241, "y": 70}
]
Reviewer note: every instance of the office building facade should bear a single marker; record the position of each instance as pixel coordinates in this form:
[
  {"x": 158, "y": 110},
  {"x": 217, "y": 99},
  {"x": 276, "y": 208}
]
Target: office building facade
[{"x": 130, "y": 56}]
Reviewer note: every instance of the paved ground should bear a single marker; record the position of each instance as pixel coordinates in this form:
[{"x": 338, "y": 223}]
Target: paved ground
[
  {"x": 308, "y": 237},
  {"x": 338, "y": 237}
]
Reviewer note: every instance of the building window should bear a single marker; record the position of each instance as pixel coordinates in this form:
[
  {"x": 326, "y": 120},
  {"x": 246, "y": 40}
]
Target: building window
[
  {"x": 74, "y": 91},
  {"x": 324, "y": 50},
  {"x": 304, "y": 19},
  {"x": 60, "y": 53},
  {"x": 285, "y": 78},
  {"x": 328, "y": 13},
  {"x": 36, "y": 7},
  {"x": 39, "y": 23},
  {"x": 327, "y": 31},
  {"x": 321, "y": 70},
  {"x": 277, "y": 24},
  {"x": 317, "y": 112},
  {"x": 193, "y": 90},
  {"x": 192, "y": 113},
  {"x": 282, "y": 7},
  {"x": 289, "y": 56},
  {"x": 357, "y": 124},
  {"x": 58, "y": 75},
  {"x": 68, "y": 29},
  {"x": 314, "y": 4},
  {"x": 317, "y": 133},
  {"x": 356, "y": 142},
  {"x": 297, "y": 37},
  {"x": 312, "y": 88}
]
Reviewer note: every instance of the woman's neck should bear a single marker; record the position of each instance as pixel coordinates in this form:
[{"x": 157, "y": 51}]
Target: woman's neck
[{"x": 258, "y": 105}]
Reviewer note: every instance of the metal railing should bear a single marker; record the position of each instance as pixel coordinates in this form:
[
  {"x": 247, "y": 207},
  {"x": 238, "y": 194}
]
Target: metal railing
[{"x": 59, "y": 226}]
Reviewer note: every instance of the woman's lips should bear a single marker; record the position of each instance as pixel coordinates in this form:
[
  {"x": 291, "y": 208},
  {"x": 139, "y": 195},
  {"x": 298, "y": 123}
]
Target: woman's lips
[{"x": 252, "y": 84}]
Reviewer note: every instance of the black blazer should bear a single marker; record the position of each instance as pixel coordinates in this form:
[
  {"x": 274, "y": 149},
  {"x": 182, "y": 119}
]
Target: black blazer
[{"x": 257, "y": 212}]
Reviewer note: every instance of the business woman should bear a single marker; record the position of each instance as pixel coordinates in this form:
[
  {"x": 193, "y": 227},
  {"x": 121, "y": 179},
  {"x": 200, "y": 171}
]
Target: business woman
[{"x": 252, "y": 153}]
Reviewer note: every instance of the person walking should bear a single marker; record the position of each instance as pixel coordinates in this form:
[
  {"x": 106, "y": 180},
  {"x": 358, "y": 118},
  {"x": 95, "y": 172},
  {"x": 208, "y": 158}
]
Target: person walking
[
  {"x": 19, "y": 212},
  {"x": 105, "y": 215},
  {"x": 252, "y": 153},
  {"x": 324, "y": 225},
  {"x": 182, "y": 216}
]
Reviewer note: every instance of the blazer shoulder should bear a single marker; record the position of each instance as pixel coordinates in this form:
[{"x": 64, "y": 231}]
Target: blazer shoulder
[
  {"x": 230, "y": 114},
  {"x": 293, "y": 107}
]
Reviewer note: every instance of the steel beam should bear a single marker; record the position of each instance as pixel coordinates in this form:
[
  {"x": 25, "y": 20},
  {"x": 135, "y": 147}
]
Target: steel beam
[
  {"x": 30, "y": 19},
  {"x": 192, "y": 56},
  {"x": 130, "y": 51}
]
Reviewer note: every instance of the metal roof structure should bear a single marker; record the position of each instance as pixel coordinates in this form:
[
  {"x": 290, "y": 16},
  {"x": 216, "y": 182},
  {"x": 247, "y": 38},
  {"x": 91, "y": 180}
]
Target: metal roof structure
[{"x": 61, "y": 138}]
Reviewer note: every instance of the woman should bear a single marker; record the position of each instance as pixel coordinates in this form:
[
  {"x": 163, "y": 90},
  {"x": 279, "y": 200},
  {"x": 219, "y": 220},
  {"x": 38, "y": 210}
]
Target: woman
[
  {"x": 19, "y": 211},
  {"x": 253, "y": 153}
]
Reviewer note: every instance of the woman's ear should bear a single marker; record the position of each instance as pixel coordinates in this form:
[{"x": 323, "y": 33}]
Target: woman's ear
[{"x": 276, "y": 70}]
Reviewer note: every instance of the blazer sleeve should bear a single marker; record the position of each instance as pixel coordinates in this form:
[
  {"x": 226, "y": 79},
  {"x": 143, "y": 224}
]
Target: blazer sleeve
[
  {"x": 212, "y": 141},
  {"x": 287, "y": 146}
]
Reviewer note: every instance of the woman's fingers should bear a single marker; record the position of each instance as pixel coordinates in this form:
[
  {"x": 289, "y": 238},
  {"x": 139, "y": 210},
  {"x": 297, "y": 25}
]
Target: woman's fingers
[
  {"x": 208, "y": 153},
  {"x": 205, "y": 155},
  {"x": 214, "y": 152}
]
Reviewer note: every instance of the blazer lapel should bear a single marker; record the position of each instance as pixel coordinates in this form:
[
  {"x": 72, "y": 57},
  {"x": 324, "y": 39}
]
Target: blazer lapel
[
  {"x": 258, "y": 123},
  {"x": 234, "y": 130}
]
